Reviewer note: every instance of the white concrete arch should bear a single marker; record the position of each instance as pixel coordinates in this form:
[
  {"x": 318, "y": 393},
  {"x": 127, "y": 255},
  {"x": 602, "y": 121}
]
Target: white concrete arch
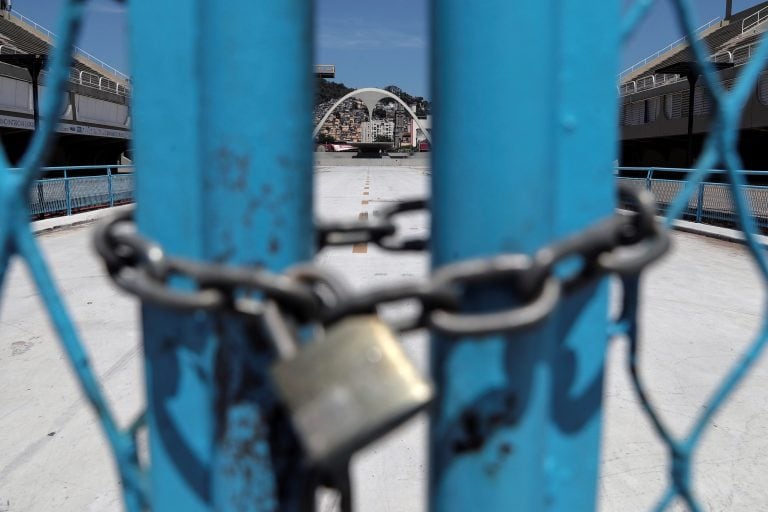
[{"x": 371, "y": 96}]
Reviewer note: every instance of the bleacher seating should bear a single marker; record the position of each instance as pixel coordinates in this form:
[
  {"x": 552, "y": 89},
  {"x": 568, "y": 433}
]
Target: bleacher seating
[
  {"x": 727, "y": 37},
  {"x": 22, "y": 39},
  {"x": 27, "y": 42}
]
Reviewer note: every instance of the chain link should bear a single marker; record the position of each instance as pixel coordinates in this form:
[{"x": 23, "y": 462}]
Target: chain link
[
  {"x": 380, "y": 231},
  {"x": 141, "y": 267},
  {"x": 622, "y": 244}
]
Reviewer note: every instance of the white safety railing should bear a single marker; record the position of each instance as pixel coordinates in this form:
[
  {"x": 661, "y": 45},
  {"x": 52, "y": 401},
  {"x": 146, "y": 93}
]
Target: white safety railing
[
  {"x": 648, "y": 82},
  {"x": 723, "y": 56},
  {"x": 99, "y": 82},
  {"x": 653, "y": 81},
  {"x": 38, "y": 27},
  {"x": 9, "y": 50},
  {"x": 754, "y": 19},
  {"x": 737, "y": 56},
  {"x": 100, "y": 63},
  {"x": 667, "y": 48},
  {"x": 742, "y": 54},
  {"x": 628, "y": 88},
  {"x": 80, "y": 77}
]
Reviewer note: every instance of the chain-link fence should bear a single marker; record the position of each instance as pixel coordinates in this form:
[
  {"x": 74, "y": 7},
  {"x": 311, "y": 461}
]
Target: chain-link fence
[
  {"x": 21, "y": 194},
  {"x": 731, "y": 202}
]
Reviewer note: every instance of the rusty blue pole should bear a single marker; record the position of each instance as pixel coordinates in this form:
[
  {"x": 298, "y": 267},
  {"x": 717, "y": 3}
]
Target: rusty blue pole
[
  {"x": 222, "y": 96},
  {"x": 700, "y": 202},
  {"x": 110, "y": 187},
  {"x": 517, "y": 422}
]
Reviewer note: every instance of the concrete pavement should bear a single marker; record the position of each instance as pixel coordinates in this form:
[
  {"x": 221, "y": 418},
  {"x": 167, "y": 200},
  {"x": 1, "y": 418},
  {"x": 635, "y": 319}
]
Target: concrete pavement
[{"x": 702, "y": 305}]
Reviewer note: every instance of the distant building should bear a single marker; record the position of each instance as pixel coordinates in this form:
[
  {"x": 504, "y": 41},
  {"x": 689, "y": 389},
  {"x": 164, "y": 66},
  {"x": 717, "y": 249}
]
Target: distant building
[
  {"x": 371, "y": 130},
  {"x": 415, "y": 135},
  {"x": 344, "y": 124}
]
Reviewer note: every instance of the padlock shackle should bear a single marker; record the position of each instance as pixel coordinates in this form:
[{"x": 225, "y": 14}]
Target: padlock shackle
[{"x": 277, "y": 330}]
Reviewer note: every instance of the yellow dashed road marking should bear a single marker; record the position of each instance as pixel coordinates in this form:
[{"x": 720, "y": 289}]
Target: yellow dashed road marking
[{"x": 361, "y": 248}]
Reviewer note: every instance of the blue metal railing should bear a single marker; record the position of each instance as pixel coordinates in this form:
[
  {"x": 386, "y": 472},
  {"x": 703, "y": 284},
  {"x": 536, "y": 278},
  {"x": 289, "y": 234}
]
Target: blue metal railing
[
  {"x": 71, "y": 192},
  {"x": 712, "y": 202}
]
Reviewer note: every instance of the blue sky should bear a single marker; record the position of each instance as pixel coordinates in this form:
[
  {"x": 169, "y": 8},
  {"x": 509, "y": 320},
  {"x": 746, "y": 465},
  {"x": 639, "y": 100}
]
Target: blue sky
[
  {"x": 375, "y": 43},
  {"x": 105, "y": 33},
  {"x": 372, "y": 43}
]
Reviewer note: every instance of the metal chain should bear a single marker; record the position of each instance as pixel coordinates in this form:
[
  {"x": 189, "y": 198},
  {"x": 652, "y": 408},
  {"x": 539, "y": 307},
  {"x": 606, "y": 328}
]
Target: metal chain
[
  {"x": 380, "y": 231},
  {"x": 623, "y": 244}
]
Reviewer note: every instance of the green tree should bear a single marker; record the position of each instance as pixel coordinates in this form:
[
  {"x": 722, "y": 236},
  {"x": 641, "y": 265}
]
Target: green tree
[
  {"x": 327, "y": 91},
  {"x": 383, "y": 138}
]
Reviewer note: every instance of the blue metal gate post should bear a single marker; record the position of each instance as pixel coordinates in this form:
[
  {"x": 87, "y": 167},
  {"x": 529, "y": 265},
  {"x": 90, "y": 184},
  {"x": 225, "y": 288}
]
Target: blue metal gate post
[
  {"x": 109, "y": 186},
  {"x": 67, "y": 194},
  {"x": 525, "y": 129},
  {"x": 222, "y": 99},
  {"x": 699, "y": 202}
]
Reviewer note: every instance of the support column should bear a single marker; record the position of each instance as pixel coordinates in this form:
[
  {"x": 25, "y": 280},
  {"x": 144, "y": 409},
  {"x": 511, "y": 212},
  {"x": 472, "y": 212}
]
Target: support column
[
  {"x": 525, "y": 137},
  {"x": 693, "y": 77},
  {"x": 34, "y": 68},
  {"x": 222, "y": 97}
]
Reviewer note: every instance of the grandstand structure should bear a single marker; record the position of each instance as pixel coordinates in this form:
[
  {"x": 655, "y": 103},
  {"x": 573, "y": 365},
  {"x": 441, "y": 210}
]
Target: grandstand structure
[
  {"x": 655, "y": 106},
  {"x": 95, "y": 123}
]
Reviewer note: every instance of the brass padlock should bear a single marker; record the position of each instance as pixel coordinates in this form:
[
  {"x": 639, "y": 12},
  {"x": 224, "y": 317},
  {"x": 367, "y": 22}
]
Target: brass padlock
[{"x": 348, "y": 388}]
